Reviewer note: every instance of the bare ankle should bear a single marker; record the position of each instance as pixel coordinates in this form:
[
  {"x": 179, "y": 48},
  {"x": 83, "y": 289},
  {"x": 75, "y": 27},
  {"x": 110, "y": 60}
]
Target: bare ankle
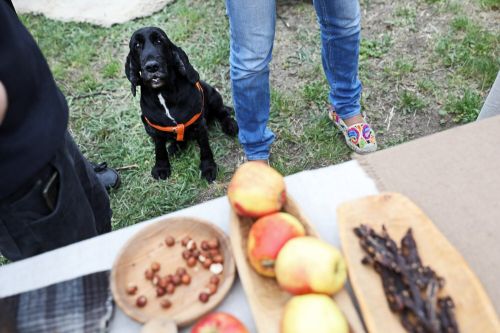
[{"x": 354, "y": 120}]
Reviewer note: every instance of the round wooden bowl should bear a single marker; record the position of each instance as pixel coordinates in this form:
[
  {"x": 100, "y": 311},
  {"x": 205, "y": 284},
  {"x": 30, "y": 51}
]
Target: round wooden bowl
[{"x": 148, "y": 246}]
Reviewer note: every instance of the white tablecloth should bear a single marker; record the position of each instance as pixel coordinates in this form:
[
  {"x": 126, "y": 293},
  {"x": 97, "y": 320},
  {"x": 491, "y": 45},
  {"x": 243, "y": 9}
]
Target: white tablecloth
[{"x": 318, "y": 192}]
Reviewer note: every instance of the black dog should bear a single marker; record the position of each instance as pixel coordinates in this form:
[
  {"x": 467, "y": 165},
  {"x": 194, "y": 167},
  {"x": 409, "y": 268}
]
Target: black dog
[{"x": 175, "y": 104}]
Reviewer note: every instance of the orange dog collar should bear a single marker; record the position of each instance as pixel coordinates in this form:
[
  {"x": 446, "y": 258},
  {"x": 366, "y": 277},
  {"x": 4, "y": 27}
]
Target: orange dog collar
[{"x": 179, "y": 128}]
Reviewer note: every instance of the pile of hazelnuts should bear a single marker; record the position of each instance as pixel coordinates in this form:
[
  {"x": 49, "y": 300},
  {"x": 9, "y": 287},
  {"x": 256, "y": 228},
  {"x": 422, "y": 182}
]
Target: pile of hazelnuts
[{"x": 208, "y": 255}]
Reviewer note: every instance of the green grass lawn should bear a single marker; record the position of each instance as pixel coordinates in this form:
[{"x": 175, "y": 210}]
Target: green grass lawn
[{"x": 87, "y": 62}]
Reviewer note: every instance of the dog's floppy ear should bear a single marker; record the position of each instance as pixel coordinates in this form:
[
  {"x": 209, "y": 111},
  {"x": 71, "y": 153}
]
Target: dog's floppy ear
[
  {"x": 132, "y": 72},
  {"x": 183, "y": 66}
]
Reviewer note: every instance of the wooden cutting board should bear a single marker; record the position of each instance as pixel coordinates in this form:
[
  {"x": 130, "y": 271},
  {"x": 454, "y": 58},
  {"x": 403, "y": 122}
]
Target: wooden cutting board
[
  {"x": 474, "y": 310},
  {"x": 266, "y": 298}
]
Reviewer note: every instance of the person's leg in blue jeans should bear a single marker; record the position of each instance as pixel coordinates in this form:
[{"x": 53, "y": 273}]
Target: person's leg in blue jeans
[
  {"x": 340, "y": 25},
  {"x": 252, "y": 26}
]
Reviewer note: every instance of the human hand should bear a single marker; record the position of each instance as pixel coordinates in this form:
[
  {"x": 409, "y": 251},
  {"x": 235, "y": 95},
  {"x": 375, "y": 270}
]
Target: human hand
[{"x": 3, "y": 102}]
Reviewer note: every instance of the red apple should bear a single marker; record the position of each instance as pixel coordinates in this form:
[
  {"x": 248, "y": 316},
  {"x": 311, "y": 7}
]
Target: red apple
[
  {"x": 256, "y": 190},
  {"x": 219, "y": 322},
  {"x": 266, "y": 238}
]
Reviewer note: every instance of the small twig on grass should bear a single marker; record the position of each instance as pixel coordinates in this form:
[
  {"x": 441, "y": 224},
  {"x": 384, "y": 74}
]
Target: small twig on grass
[
  {"x": 391, "y": 114},
  {"x": 127, "y": 167},
  {"x": 97, "y": 93},
  {"x": 284, "y": 21}
]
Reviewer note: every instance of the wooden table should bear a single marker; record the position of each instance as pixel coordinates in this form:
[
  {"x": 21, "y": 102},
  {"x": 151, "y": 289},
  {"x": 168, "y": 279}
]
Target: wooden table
[
  {"x": 453, "y": 176},
  {"x": 318, "y": 192}
]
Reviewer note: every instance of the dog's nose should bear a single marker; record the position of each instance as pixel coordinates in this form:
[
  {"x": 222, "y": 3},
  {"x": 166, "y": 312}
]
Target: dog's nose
[{"x": 152, "y": 66}]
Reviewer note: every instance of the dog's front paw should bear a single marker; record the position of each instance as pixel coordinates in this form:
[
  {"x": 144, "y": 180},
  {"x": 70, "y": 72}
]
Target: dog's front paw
[
  {"x": 160, "y": 171},
  {"x": 229, "y": 126},
  {"x": 208, "y": 170}
]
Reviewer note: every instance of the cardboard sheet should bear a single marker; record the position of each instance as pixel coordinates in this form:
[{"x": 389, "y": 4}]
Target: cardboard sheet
[{"x": 454, "y": 176}]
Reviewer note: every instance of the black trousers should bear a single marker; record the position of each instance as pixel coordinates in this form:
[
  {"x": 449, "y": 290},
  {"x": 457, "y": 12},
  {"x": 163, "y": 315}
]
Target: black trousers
[{"x": 64, "y": 203}]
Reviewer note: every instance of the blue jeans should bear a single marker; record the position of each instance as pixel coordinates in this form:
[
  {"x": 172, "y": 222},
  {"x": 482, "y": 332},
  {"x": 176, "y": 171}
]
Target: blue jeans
[{"x": 252, "y": 26}]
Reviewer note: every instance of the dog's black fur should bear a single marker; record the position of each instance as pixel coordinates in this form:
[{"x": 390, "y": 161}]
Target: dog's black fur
[{"x": 159, "y": 67}]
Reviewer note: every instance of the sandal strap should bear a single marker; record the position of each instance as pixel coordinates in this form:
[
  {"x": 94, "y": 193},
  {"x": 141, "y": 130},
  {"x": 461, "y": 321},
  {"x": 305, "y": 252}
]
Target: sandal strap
[{"x": 335, "y": 117}]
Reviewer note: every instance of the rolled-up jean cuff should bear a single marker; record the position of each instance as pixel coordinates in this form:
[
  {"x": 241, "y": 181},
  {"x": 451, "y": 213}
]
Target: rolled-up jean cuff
[
  {"x": 259, "y": 148},
  {"x": 258, "y": 157},
  {"x": 257, "y": 153}
]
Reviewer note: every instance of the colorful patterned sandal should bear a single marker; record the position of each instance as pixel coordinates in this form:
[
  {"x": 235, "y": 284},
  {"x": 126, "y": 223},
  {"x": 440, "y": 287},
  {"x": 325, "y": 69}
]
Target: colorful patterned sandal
[{"x": 359, "y": 137}]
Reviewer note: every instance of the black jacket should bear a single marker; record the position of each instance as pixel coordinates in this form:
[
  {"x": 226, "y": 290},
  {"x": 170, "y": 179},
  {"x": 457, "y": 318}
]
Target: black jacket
[{"x": 37, "y": 112}]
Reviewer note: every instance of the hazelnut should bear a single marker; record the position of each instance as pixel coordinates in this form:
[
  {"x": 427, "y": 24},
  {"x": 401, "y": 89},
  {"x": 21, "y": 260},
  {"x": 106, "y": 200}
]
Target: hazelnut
[
  {"x": 186, "y": 279},
  {"x": 204, "y": 246},
  {"x": 163, "y": 282},
  {"x": 141, "y": 301},
  {"x": 169, "y": 241},
  {"x": 213, "y": 252},
  {"x": 181, "y": 271},
  {"x": 213, "y": 243},
  {"x": 160, "y": 291},
  {"x": 165, "y": 304},
  {"x": 196, "y": 253},
  {"x": 216, "y": 268},
  {"x": 176, "y": 280},
  {"x": 170, "y": 288},
  {"x": 204, "y": 297},
  {"x": 170, "y": 278},
  {"x": 191, "y": 262},
  {"x": 156, "y": 280},
  {"x": 212, "y": 288},
  {"x": 214, "y": 279},
  {"x": 149, "y": 274},
  {"x": 186, "y": 254},
  {"x": 191, "y": 245},
  {"x": 207, "y": 263},
  {"x": 185, "y": 241},
  {"x": 131, "y": 289},
  {"x": 155, "y": 267},
  {"x": 218, "y": 259}
]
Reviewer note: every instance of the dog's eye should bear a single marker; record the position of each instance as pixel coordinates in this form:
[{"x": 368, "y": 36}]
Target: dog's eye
[
  {"x": 137, "y": 45},
  {"x": 158, "y": 41}
]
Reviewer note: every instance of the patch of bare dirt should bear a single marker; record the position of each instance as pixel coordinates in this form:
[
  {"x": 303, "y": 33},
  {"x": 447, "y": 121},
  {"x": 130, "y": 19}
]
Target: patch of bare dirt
[{"x": 413, "y": 29}]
